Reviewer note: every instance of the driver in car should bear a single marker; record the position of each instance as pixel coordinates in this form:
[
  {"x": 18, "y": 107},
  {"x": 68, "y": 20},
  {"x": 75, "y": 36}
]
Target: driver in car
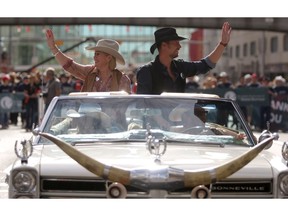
[{"x": 197, "y": 123}]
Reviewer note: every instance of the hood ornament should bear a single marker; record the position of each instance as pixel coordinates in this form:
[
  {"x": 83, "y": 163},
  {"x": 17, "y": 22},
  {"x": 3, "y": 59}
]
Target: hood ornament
[
  {"x": 23, "y": 150},
  {"x": 155, "y": 146}
]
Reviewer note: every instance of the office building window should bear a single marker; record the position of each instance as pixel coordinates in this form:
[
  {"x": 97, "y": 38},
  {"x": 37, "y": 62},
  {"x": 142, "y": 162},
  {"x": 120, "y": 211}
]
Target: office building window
[
  {"x": 245, "y": 48},
  {"x": 253, "y": 48},
  {"x": 274, "y": 44},
  {"x": 237, "y": 52}
]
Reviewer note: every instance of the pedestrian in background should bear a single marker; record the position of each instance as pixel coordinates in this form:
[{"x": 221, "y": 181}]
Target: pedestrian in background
[
  {"x": 192, "y": 83},
  {"x": 13, "y": 82},
  {"x": 22, "y": 85},
  {"x": 31, "y": 94},
  {"x": 5, "y": 87},
  {"x": 265, "y": 111},
  {"x": 100, "y": 76},
  {"x": 224, "y": 81},
  {"x": 280, "y": 88},
  {"x": 166, "y": 74},
  {"x": 66, "y": 84},
  {"x": 52, "y": 88}
]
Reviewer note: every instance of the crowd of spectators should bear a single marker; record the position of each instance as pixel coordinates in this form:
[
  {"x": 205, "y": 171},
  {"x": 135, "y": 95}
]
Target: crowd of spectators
[
  {"x": 32, "y": 85},
  {"x": 277, "y": 89}
]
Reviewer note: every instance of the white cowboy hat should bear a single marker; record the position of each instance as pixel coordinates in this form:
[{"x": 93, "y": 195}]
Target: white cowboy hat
[
  {"x": 280, "y": 78},
  {"x": 103, "y": 117},
  {"x": 223, "y": 74},
  {"x": 110, "y": 47},
  {"x": 177, "y": 113}
]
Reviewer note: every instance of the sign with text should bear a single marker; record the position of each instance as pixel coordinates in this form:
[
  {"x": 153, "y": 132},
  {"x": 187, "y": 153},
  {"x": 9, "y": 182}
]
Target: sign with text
[
  {"x": 11, "y": 102},
  {"x": 243, "y": 96}
]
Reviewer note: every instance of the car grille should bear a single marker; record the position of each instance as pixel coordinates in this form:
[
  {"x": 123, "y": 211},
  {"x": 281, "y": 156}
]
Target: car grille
[{"x": 96, "y": 188}]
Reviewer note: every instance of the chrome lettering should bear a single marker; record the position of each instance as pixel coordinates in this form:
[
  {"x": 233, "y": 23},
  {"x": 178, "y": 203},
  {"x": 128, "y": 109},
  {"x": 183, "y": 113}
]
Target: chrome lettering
[{"x": 238, "y": 188}]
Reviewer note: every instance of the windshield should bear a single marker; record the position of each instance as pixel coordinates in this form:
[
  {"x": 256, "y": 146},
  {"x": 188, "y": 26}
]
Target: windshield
[{"x": 82, "y": 120}]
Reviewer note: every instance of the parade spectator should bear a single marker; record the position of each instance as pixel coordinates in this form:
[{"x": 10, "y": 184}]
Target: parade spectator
[
  {"x": 76, "y": 84},
  {"x": 5, "y": 87},
  {"x": 265, "y": 111},
  {"x": 31, "y": 94},
  {"x": 247, "y": 80},
  {"x": 66, "y": 85},
  {"x": 280, "y": 88},
  {"x": 223, "y": 81},
  {"x": 166, "y": 73},
  {"x": 52, "y": 88},
  {"x": 254, "y": 81},
  {"x": 241, "y": 83},
  {"x": 22, "y": 85},
  {"x": 251, "y": 81},
  {"x": 192, "y": 83},
  {"x": 13, "y": 82},
  {"x": 210, "y": 82},
  {"x": 100, "y": 76},
  {"x": 280, "y": 99},
  {"x": 132, "y": 78}
]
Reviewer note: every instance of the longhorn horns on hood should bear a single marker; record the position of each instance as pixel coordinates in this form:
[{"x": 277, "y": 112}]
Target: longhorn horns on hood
[
  {"x": 94, "y": 166},
  {"x": 211, "y": 175},
  {"x": 188, "y": 178}
]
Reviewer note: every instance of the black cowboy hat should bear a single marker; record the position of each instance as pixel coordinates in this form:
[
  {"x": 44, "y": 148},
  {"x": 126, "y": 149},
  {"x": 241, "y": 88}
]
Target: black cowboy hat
[{"x": 164, "y": 34}]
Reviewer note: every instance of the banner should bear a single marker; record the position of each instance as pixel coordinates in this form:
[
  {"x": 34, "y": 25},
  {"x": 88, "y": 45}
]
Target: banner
[
  {"x": 254, "y": 99},
  {"x": 243, "y": 96},
  {"x": 11, "y": 102},
  {"x": 279, "y": 114}
]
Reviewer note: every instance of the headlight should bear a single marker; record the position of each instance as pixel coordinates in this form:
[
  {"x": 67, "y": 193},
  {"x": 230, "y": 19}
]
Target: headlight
[
  {"x": 24, "y": 181},
  {"x": 283, "y": 183},
  {"x": 200, "y": 192},
  {"x": 116, "y": 190}
]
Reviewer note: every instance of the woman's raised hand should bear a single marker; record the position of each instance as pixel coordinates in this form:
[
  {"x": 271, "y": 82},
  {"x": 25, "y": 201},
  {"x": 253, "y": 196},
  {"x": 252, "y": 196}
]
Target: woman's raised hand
[{"x": 50, "y": 39}]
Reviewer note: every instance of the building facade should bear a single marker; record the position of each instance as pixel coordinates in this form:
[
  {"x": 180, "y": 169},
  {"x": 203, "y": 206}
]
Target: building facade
[
  {"x": 26, "y": 46},
  {"x": 261, "y": 52}
]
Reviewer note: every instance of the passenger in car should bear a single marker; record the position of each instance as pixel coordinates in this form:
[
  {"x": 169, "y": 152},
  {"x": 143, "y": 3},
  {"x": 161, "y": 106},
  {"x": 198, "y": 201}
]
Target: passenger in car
[
  {"x": 168, "y": 74},
  {"x": 88, "y": 123},
  {"x": 101, "y": 76}
]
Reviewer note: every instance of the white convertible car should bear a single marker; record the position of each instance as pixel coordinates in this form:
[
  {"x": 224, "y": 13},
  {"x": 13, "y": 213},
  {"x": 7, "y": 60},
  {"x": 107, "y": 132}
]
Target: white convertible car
[{"x": 116, "y": 145}]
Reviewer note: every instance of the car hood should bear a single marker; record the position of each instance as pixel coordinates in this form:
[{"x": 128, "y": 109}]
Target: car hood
[{"x": 132, "y": 156}]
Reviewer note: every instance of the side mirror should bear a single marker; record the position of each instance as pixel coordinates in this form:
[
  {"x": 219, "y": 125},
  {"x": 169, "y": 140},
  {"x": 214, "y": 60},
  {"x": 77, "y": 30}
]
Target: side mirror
[
  {"x": 36, "y": 131},
  {"x": 266, "y": 134}
]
